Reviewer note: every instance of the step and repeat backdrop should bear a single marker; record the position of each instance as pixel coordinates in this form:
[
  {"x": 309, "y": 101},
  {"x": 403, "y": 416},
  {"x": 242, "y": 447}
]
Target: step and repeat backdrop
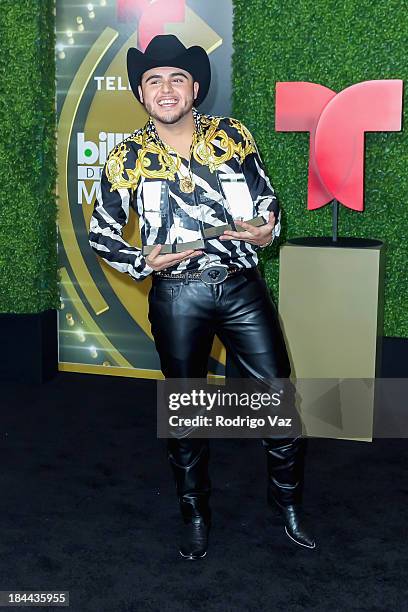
[{"x": 103, "y": 324}]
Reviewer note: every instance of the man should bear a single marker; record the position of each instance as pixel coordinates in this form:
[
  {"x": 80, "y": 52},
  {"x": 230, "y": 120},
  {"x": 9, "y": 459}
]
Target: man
[{"x": 173, "y": 172}]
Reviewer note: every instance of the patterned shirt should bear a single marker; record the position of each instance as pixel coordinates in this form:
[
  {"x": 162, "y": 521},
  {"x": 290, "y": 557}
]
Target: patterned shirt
[{"x": 144, "y": 173}]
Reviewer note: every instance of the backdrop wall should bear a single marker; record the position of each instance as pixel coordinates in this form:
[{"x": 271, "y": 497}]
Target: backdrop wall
[
  {"x": 325, "y": 43},
  {"x": 28, "y": 210},
  {"x": 103, "y": 321},
  {"x": 336, "y": 45}
]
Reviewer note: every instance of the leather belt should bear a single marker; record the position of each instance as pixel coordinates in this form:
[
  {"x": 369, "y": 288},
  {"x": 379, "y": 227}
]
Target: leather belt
[{"x": 211, "y": 275}]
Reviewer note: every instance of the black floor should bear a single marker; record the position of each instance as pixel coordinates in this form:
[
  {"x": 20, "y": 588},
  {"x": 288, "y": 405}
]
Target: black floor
[{"x": 88, "y": 506}]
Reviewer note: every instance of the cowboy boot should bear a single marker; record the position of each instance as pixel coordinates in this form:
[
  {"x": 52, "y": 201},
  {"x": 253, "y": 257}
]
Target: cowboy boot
[
  {"x": 188, "y": 458},
  {"x": 285, "y": 463}
]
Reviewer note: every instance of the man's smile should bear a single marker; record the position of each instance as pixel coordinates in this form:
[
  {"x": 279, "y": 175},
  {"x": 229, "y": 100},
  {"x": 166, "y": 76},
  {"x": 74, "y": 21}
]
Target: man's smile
[{"x": 167, "y": 102}]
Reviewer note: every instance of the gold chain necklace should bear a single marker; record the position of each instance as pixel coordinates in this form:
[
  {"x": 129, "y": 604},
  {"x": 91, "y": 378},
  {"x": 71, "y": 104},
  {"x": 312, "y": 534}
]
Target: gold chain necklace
[{"x": 186, "y": 183}]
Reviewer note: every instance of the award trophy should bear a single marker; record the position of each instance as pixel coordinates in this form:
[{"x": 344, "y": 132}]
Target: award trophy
[
  {"x": 238, "y": 201},
  {"x": 171, "y": 220},
  {"x": 181, "y": 219}
]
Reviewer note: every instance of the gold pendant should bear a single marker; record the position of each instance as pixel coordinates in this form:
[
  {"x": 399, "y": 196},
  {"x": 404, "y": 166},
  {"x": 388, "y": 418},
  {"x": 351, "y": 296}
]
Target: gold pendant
[{"x": 187, "y": 184}]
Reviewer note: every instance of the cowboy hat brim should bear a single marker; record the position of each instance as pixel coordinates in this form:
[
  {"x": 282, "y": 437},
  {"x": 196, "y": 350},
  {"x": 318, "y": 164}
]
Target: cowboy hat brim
[{"x": 194, "y": 60}]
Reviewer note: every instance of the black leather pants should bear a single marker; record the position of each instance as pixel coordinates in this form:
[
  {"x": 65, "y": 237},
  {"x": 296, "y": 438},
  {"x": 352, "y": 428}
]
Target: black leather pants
[{"x": 184, "y": 319}]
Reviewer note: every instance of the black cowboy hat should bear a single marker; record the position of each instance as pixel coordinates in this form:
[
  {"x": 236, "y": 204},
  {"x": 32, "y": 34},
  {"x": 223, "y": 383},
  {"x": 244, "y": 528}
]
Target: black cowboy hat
[{"x": 167, "y": 50}]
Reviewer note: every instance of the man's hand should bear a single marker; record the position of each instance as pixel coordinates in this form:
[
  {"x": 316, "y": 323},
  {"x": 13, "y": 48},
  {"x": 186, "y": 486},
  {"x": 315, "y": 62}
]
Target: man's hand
[
  {"x": 255, "y": 235},
  {"x": 161, "y": 262}
]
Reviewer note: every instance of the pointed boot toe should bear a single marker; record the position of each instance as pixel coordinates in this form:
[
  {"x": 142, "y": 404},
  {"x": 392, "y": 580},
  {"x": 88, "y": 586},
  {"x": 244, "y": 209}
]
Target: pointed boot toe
[
  {"x": 296, "y": 528},
  {"x": 194, "y": 542}
]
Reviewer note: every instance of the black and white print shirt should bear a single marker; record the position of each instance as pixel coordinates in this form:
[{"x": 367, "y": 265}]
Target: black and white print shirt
[{"x": 144, "y": 173}]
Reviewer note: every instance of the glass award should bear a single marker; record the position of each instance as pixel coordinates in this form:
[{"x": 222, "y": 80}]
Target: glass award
[
  {"x": 186, "y": 228},
  {"x": 213, "y": 211},
  {"x": 239, "y": 201},
  {"x": 172, "y": 218}
]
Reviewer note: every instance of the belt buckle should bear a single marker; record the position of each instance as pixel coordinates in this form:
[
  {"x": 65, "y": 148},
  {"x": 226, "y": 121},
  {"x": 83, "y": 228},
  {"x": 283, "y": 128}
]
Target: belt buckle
[{"x": 213, "y": 275}]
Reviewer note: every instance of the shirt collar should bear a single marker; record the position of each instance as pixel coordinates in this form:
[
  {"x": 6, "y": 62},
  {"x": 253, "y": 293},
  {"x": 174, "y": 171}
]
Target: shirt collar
[{"x": 151, "y": 131}]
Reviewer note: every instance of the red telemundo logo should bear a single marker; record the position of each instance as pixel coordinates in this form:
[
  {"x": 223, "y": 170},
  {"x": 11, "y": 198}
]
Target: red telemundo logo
[{"x": 337, "y": 123}]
